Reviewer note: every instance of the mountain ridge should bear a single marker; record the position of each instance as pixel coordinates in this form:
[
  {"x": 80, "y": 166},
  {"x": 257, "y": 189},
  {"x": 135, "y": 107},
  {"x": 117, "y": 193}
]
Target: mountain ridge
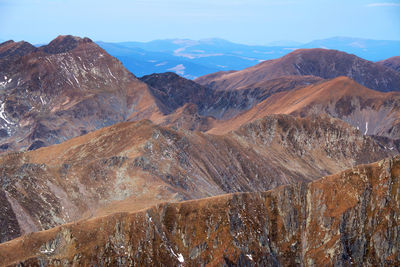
[
  {"x": 283, "y": 226},
  {"x": 318, "y": 62}
]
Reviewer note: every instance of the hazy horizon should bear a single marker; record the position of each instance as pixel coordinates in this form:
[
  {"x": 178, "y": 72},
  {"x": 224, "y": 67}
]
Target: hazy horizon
[
  {"x": 271, "y": 43},
  {"x": 246, "y": 22}
]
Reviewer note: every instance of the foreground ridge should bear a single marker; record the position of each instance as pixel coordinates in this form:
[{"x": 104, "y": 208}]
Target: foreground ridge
[{"x": 350, "y": 218}]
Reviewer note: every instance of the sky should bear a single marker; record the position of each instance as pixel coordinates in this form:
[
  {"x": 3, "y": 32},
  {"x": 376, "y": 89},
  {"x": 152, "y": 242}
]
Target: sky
[{"x": 241, "y": 21}]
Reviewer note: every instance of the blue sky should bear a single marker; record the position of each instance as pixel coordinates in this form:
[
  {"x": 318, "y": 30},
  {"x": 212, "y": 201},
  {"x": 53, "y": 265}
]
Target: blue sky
[{"x": 243, "y": 21}]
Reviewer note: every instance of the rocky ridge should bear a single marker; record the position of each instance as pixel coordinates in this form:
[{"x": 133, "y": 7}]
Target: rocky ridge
[
  {"x": 349, "y": 218},
  {"x": 146, "y": 164}
]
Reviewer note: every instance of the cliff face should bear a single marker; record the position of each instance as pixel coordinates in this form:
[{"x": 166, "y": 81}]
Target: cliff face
[
  {"x": 350, "y": 218},
  {"x": 144, "y": 164}
]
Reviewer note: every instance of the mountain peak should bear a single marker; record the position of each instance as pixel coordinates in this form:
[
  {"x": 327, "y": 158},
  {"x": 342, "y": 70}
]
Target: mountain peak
[
  {"x": 323, "y": 63},
  {"x": 64, "y": 43},
  {"x": 15, "y": 48}
]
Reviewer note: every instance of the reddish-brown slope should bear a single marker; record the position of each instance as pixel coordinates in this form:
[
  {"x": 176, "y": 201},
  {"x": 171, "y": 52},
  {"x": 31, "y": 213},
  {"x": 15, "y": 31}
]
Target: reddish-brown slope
[
  {"x": 323, "y": 63},
  {"x": 350, "y": 218},
  {"x": 147, "y": 164},
  {"x": 370, "y": 111}
]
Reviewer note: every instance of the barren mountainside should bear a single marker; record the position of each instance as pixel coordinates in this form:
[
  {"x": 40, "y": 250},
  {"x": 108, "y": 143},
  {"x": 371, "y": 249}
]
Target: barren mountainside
[
  {"x": 347, "y": 219},
  {"x": 64, "y": 89},
  {"x": 147, "y": 164},
  {"x": 323, "y": 63}
]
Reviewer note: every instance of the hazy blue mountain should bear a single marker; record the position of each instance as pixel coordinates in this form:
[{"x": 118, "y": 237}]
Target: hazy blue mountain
[
  {"x": 284, "y": 43},
  {"x": 191, "y": 59}
]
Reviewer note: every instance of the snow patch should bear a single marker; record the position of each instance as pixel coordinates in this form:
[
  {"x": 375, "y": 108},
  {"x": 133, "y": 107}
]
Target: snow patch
[
  {"x": 3, "y": 114},
  {"x": 47, "y": 251},
  {"x": 111, "y": 73},
  {"x": 249, "y": 256},
  {"x": 366, "y": 128},
  {"x": 179, "y": 256}
]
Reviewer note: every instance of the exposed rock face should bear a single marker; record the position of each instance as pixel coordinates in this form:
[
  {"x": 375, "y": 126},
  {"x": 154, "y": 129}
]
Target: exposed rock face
[
  {"x": 372, "y": 112},
  {"x": 64, "y": 89},
  {"x": 350, "y": 218},
  {"x": 144, "y": 164},
  {"x": 393, "y": 63},
  {"x": 323, "y": 63}
]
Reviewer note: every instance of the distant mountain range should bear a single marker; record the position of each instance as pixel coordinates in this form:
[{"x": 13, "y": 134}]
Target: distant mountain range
[{"x": 192, "y": 59}]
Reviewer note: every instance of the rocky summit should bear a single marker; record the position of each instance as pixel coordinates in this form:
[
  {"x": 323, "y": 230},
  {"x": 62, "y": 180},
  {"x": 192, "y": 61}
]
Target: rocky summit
[{"x": 64, "y": 89}]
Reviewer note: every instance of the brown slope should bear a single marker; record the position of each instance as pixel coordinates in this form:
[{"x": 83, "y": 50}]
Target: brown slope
[
  {"x": 147, "y": 164},
  {"x": 64, "y": 89},
  {"x": 340, "y": 98},
  {"x": 393, "y": 63},
  {"x": 349, "y": 218},
  {"x": 323, "y": 63}
]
